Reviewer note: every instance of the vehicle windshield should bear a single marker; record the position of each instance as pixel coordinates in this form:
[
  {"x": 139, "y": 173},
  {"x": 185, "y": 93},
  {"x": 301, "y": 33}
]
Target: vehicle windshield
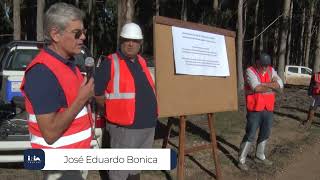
[{"x": 20, "y": 59}]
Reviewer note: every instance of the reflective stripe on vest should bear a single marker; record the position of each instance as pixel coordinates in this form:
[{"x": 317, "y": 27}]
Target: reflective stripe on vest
[
  {"x": 116, "y": 83},
  {"x": 64, "y": 140},
  {"x": 83, "y": 112},
  {"x": 78, "y": 134}
]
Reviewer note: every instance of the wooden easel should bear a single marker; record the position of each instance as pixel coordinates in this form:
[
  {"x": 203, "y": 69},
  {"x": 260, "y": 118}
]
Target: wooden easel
[{"x": 183, "y": 151}]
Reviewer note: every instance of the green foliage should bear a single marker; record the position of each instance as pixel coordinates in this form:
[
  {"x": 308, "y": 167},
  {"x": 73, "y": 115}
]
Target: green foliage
[{"x": 106, "y": 27}]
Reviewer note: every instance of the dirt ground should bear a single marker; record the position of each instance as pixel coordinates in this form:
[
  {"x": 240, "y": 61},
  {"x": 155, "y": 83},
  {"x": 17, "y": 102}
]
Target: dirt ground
[{"x": 294, "y": 151}]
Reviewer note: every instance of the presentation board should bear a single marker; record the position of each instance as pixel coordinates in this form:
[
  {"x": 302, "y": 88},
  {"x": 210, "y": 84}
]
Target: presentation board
[{"x": 180, "y": 94}]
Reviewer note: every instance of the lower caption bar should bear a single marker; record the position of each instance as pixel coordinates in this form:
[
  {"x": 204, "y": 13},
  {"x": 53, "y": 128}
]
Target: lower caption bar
[{"x": 100, "y": 159}]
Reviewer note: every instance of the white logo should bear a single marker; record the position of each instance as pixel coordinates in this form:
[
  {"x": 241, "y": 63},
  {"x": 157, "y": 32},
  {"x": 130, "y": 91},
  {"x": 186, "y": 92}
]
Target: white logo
[{"x": 34, "y": 159}]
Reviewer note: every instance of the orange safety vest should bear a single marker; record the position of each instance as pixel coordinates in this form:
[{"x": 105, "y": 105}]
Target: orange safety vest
[
  {"x": 260, "y": 101},
  {"x": 120, "y": 92},
  {"x": 78, "y": 134},
  {"x": 316, "y": 87}
]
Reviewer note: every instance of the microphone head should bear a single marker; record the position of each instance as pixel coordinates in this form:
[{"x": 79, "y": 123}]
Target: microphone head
[{"x": 89, "y": 62}]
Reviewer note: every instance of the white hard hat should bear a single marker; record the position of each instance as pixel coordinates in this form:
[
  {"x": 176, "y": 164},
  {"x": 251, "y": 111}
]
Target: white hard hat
[{"x": 131, "y": 31}]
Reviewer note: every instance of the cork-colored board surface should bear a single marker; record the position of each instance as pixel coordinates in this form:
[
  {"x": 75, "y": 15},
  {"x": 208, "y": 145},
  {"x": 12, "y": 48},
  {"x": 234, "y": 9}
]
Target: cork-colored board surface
[{"x": 185, "y": 94}]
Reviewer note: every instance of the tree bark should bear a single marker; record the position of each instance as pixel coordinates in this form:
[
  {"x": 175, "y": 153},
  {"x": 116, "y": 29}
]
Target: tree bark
[
  {"x": 283, "y": 40},
  {"x": 316, "y": 65},
  {"x": 125, "y": 14},
  {"x": 76, "y": 3},
  {"x": 301, "y": 50},
  {"x": 289, "y": 36},
  {"x": 309, "y": 34},
  {"x": 215, "y": 5},
  {"x": 157, "y": 7},
  {"x": 92, "y": 29},
  {"x": 40, "y": 11},
  {"x": 240, "y": 45},
  {"x": 275, "y": 46},
  {"x": 16, "y": 20},
  {"x": 256, "y": 13},
  {"x": 184, "y": 10}
]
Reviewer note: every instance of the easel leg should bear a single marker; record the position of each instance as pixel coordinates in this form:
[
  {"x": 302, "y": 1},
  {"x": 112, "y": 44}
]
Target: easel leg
[
  {"x": 182, "y": 137},
  {"x": 168, "y": 131},
  {"x": 214, "y": 146}
]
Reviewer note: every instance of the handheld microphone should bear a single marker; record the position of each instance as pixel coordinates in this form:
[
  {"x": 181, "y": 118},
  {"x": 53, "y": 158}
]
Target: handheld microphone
[{"x": 89, "y": 65}]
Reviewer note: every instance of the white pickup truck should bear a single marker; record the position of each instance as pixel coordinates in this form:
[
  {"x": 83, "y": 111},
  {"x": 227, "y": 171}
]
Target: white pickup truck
[{"x": 297, "y": 75}]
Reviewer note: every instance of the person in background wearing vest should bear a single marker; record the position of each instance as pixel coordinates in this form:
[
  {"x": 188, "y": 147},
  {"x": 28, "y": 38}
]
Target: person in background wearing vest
[
  {"x": 124, "y": 87},
  {"x": 261, "y": 80},
  {"x": 55, "y": 92},
  {"x": 314, "y": 91}
]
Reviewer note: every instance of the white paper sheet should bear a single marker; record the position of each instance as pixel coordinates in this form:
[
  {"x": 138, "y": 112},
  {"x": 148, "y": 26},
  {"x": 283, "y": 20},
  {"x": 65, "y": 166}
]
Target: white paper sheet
[{"x": 199, "y": 53}]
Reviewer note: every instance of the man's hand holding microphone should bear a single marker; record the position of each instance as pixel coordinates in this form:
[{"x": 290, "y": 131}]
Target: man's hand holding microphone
[{"x": 86, "y": 91}]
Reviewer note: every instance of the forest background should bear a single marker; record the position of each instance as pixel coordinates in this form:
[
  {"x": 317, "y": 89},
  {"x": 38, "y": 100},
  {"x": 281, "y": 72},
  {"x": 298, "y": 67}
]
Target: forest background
[{"x": 287, "y": 29}]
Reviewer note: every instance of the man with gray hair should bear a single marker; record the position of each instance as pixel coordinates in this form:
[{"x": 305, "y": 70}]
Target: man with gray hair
[{"x": 55, "y": 92}]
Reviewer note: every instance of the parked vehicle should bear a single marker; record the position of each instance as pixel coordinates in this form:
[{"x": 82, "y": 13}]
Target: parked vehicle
[
  {"x": 297, "y": 75},
  {"x": 14, "y": 136}
]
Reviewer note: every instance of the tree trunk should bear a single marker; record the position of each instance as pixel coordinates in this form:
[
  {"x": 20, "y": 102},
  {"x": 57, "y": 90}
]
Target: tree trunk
[
  {"x": 125, "y": 14},
  {"x": 256, "y": 13},
  {"x": 92, "y": 23},
  {"x": 240, "y": 45},
  {"x": 184, "y": 13},
  {"x": 40, "y": 11},
  {"x": 16, "y": 20},
  {"x": 215, "y": 5},
  {"x": 262, "y": 40},
  {"x": 76, "y": 3},
  {"x": 316, "y": 65},
  {"x": 309, "y": 34},
  {"x": 303, "y": 22},
  {"x": 289, "y": 36},
  {"x": 283, "y": 40},
  {"x": 157, "y": 7},
  {"x": 275, "y": 46}
]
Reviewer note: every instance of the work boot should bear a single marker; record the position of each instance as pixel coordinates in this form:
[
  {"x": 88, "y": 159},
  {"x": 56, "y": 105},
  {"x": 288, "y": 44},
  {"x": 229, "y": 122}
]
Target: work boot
[
  {"x": 266, "y": 161},
  {"x": 244, "y": 150},
  {"x": 243, "y": 166},
  {"x": 260, "y": 157}
]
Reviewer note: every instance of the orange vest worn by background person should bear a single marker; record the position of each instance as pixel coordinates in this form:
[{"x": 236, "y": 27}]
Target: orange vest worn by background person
[
  {"x": 316, "y": 87},
  {"x": 260, "y": 101},
  {"x": 120, "y": 92},
  {"x": 78, "y": 134}
]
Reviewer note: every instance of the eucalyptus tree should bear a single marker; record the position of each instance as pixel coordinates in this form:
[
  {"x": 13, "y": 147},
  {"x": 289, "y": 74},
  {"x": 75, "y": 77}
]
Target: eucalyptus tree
[
  {"x": 316, "y": 65},
  {"x": 289, "y": 35},
  {"x": 16, "y": 20},
  {"x": 283, "y": 37},
  {"x": 308, "y": 36},
  {"x": 40, "y": 11},
  {"x": 125, "y": 13},
  {"x": 240, "y": 45}
]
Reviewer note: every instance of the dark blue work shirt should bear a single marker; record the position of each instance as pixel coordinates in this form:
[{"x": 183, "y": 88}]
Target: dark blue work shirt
[
  {"x": 43, "y": 89},
  {"x": 146, "y": 104}
]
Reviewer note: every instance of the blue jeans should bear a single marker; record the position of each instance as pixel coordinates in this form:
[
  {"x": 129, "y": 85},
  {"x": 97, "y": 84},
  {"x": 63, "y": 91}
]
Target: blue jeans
[{"x": 263, "y": 121}]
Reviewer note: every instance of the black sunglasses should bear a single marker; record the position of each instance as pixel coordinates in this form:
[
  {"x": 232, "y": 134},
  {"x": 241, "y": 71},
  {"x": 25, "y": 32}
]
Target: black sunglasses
[{"x": 78, "y": 32}]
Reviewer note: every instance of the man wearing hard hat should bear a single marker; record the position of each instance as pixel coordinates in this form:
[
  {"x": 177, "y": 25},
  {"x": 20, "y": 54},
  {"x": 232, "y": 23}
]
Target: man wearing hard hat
[
  {"x": 124, "y": 87},
  {"x": 261, "y": 83}
]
